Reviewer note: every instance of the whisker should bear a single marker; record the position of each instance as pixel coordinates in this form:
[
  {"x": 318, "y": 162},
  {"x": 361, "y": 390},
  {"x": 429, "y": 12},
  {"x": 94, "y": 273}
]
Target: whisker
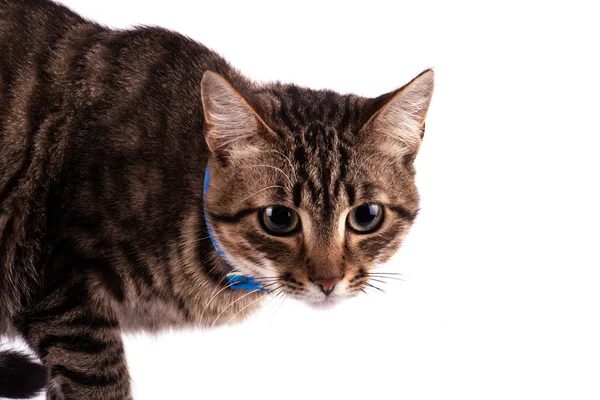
[
  {"x": 243, "y": 308},
  {"x": 275, "y": 168},
  {"x": 219, "y": 292},
  {"x": 258, "y": 191},
  {"x": 374, "y": 287},
  {"x": 270, "y": 312},
  {"x": 363, "y": 161},
  {"x": 263, "y": 279},
  {"x": 288, "y": 160},
  {"x": 385, "y": 277},
  {"x": 280, "y": 304},
  {"x": 212, "y": 298},
  {"x": 232, "y": 303},
  {"x": 275, "y": 296},
  {"x": 191, "y": 242},
  {"x": 270, "y": 284},
  {"x": 377, "y": 280},
  {"x": 385, "y": 273}
]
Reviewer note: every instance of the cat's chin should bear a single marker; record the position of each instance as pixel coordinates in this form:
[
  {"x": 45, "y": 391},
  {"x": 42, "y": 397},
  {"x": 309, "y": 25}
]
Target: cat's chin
[{"x": 323, "y": 304}]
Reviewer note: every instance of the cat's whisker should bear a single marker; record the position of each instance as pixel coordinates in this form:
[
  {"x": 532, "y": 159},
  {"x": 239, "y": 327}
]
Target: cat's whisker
[
  {"x": 257, "y": 192},
  {"x": 385, "y": 273},
  {"x": 243, "y": 308},
  {"x": 267, "y": 277},
  {"x": 191, "y": 242},
  {"x": 267, "y": 280},
  {"x": 270, "y": 284},
  {"x": 374, "y": 287},
  {"x": 277, "y": 296},
  {"x": 211, "y": 299},
  {"x": 384, "y": 277},
  {"x": 275, "y": 168},
  {"x": 377, "y": 280},
  {"x": 266, "y": 283},
  {"x": 283, "y": 298},
  {"x": 232, "y": 303},
  {"x": 288, "y": 160},
  {"x": 364, "y": 161},
  {"x": 387, "y": 278}
]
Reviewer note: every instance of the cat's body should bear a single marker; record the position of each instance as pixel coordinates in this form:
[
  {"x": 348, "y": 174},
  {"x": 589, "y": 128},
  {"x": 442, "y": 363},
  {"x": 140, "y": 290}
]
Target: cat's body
[
  {"x": 102, "y": 162},
  {"x": 114, "y": 178}
]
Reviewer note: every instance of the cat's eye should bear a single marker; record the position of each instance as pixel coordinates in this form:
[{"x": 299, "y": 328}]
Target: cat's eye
[
  {"x": 279, "y": 220},
  {"x": 365, "y": 218}
]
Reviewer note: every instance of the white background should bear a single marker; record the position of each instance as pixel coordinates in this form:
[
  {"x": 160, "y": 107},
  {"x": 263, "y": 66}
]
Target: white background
[{"x": 501, "y": 295}]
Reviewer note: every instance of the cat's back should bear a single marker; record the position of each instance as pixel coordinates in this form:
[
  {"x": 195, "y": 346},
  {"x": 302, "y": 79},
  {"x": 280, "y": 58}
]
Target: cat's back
[
  {"x": 30, "y": 32},
  {"x": 71, "y": 92},
  {"x": 68, "y": 84},
  {"x": 27, "y": 98},
  {"x": 64, "y": 79}
]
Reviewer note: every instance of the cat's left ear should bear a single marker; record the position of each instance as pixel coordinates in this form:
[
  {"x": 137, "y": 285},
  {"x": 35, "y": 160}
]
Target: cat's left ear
[
  {"x": 233, "y": 129},
  {"x": 399, "y": 116}
]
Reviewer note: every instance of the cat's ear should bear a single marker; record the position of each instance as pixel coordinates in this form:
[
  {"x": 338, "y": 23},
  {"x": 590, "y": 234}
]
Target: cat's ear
[
  {"x": 400, "y": 115},
  {"x": 232, "y": 127}
]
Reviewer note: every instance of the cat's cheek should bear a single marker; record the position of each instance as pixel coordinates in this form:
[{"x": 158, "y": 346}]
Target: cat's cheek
[
  {"x": 386, "y": 253},
  {"x": 268, "y": 268},
  {"x": 250, "y": 269}
]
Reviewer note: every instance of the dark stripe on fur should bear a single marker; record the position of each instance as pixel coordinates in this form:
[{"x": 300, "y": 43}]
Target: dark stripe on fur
[
  {"x": 74, "y": 298},
  {"x": 88, "y": 379},
  {"x": 297, "y": 194},
  {"x": 82, "y": 343},
  {"x": 93, "y": 322},
  {"x": 140, "y": 270},
  {"x": 403, "y": 213},
  {"x": 231, "y": 219},
  {"x": 350, "y": 193},
  {"x": 272, "y": 249},
  {"x": 110, "y": 278}
]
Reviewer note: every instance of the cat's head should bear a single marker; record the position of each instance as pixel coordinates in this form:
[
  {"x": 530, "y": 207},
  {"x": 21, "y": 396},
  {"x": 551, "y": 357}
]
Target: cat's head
[{"x": 311, "y": 189}]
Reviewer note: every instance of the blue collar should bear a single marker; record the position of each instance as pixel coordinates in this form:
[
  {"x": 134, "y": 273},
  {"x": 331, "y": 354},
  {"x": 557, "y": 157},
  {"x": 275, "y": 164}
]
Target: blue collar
[{"x": 237, "y": 280}]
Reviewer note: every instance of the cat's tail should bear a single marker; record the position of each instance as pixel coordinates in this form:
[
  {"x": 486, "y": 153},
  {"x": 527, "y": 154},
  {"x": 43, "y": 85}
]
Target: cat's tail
[{"x": 20, "y": 376}]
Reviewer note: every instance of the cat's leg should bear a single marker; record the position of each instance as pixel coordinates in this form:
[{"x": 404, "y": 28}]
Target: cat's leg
[{"x": 82, "y": 348}]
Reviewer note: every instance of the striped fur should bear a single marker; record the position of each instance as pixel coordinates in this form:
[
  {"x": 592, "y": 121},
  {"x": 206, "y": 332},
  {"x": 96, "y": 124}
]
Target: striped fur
[{"x": 104, "y": 139}]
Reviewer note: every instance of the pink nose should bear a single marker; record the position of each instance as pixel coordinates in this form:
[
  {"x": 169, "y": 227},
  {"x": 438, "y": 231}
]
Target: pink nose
[{"x": 327, "y": 285}]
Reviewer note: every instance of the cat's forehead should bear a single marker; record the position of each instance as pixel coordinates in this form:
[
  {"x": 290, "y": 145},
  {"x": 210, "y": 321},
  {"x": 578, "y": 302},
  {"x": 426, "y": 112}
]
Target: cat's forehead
[
  {"x": 298, "y": 110},
  {"x": 319, "y": 128}
]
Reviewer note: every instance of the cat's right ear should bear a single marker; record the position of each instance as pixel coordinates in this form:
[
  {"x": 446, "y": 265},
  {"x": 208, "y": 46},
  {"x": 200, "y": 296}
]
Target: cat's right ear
[
  {"x": 399, "y": 117},
  {"x": 232, "y": 127}
]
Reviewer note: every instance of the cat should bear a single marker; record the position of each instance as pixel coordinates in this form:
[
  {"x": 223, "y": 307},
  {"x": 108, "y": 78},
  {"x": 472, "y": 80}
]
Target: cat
[{"x": 147, "y": 184}]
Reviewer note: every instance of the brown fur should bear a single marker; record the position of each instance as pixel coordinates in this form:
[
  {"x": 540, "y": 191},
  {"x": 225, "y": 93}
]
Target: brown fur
[{"x": 105, "y": 136}]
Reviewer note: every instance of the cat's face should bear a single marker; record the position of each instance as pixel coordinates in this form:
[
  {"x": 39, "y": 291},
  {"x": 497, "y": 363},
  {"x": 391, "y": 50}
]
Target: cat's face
[{"x": 311, "y": 189}]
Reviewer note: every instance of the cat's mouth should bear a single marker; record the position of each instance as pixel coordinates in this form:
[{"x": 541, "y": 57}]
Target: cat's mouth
[{"x": 313, "y": 294}]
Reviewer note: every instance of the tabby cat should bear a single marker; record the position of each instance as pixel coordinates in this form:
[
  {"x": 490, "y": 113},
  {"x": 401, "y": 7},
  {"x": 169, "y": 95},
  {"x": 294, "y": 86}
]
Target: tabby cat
[{"x": 107, "y": 139}]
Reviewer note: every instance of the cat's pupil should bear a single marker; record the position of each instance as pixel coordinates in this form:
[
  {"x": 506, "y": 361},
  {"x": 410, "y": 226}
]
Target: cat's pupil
[
  {"x": 281, "y": 217},
  {"x": 365, "y": 214}
]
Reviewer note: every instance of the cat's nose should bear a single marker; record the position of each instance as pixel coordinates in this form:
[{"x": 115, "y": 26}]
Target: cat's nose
[{"x": 327, "y": 284}]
